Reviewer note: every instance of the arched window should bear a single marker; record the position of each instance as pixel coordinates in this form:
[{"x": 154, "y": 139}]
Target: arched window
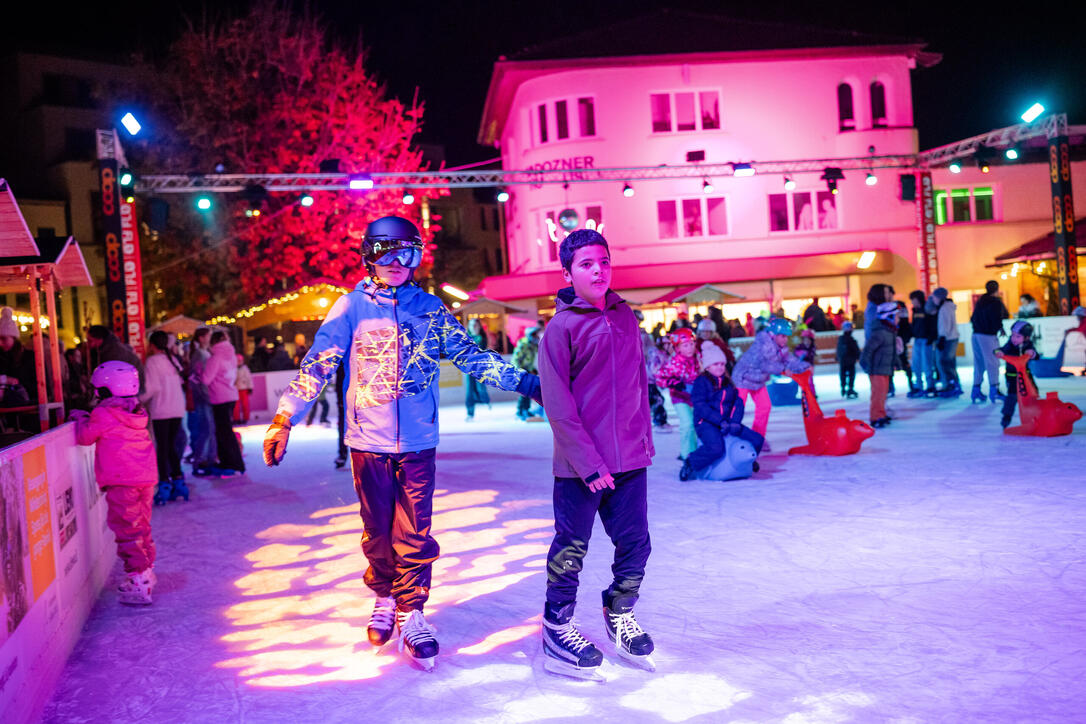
[
  {"x": 878, "y": 105},
  {"x": 845, "y": 115}
]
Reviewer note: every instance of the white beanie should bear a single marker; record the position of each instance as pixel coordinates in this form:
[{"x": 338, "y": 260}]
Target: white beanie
[
  {"x": 8, "y": 327},
  {"x": 710, "y": 354},
  {"x": 706, "y": 325}
]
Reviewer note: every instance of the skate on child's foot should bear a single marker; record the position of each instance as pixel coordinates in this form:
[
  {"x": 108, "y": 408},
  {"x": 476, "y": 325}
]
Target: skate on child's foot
[
  {"x": 417, "y": 638},
  {"x": 382, "y": 621},
  {"x": 179, "y": 489},
  {"x": 136, "y": 588},
  {"x": 565, "y": 651},
  {"x": 631, "y": 641},
  {"x": 162, "y": 492}
]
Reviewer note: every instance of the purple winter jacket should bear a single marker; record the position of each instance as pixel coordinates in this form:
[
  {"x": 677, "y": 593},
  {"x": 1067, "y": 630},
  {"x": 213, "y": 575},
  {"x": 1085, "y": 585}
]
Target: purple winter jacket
[{"x": 595, "y": 388}]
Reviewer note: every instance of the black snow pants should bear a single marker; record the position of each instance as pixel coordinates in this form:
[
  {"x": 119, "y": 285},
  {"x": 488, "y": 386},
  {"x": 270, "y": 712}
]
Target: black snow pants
[
  {"x": 624, "y": 512},
  {"x": 396, "y": 496},
  {"x": 848, "y": 377},
  {"x": 711, "y": 449}
]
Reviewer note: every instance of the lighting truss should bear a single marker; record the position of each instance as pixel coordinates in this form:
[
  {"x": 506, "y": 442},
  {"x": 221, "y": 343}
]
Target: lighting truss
[{"x": 1048, "y": 126}]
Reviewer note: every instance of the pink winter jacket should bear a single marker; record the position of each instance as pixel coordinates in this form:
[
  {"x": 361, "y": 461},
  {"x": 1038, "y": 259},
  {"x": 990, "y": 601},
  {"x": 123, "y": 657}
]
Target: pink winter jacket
[
  {"x": 125, "y": 454},
  {"x": 220, "y": 372}
]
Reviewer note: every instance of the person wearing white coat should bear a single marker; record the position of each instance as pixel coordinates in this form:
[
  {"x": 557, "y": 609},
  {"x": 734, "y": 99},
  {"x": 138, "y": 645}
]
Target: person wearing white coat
[
  {"x": 164, "y": 397},
  {"x": 219, "y": 374}
]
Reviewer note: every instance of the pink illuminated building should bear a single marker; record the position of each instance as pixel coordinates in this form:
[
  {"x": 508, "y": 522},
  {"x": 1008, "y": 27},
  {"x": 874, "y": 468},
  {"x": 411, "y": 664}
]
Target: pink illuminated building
[{"x": 677, "y": 86}]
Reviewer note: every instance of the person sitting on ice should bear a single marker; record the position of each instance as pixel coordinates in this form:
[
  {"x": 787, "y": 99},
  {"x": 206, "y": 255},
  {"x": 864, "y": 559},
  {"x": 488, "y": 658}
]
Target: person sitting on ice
[
  {"x": 1019, "y": 344},
  {"x": 877, "y": 360},
  {"x": 767, "y": 356},
  {"x": 718, "y": 413},
  {"x": 677, "y": 374},
  {"x": 596, "y": 388},
  {"x": 126, "y": 469},
  {"x": 848, "y": 354},
  {"x": 390, "y": 335}
]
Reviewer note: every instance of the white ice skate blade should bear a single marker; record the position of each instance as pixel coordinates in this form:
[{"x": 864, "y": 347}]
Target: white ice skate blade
[
  {"x": 562, "y": 668},
  {"x": 641, "y": 662},
  {"x": 426, "y": 665}
]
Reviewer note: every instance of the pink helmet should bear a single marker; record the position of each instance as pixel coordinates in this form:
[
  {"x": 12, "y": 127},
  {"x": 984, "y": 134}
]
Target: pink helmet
[{"x": 120, "y": 378}]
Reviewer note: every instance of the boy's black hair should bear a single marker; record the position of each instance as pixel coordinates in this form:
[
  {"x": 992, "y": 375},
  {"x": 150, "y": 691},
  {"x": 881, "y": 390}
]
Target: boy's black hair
[
  {"x": 578, "y": 240},
  {"x": 991, "y": 286},
  {"x": 918, "y": 295}
]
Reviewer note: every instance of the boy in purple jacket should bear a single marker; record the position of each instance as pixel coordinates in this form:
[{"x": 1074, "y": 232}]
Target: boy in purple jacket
[{"x": 596, "y": 392}]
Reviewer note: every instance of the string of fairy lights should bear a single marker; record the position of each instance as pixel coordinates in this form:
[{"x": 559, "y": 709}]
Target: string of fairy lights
[{"x": 282, "y": 299}]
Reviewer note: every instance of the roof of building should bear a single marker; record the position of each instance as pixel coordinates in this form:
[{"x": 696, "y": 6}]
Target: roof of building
[
  {"x": 669, "y": 31},
  {"x": 1043, "y": 247},
  {"x": 679, "y": 36}
]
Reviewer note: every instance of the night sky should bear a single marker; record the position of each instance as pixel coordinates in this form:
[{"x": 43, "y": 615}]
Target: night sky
[{"x": 995, "y": 64}]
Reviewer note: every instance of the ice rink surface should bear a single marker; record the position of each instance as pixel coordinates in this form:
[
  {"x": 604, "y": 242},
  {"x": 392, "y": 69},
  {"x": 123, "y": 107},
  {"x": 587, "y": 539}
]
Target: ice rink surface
[{"x": 937, "y": 576}]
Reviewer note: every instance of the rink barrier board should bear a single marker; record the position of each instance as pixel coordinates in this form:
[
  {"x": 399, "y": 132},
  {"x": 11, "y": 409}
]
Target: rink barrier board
[
  {"x": 268, "y": 386},
  {"x": 57, "y": 554}
]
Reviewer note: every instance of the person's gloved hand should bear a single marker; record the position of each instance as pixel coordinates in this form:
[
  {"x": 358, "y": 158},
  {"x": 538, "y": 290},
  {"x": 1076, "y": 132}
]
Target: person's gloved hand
[
  {"x": 529, "y": 386},
  {"x": 275, "y": 440},
  {"x": 940, "y": 344},
  {"x": 733, "y": 428}
]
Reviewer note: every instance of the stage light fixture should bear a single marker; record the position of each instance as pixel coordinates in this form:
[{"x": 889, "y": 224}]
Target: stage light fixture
[
  {"x": 502, "y": 196},
  {"x": 1033, "y": 112},
  {"x": 130, "y": 124},
  {"x": 955, "y": 167},
  {"x": 831, "y": 175},
  {"x": 789, "y": 184},
  {"x": 359, "y": 182},
  {"x": 126, "y": 177},
  {"x": 408, "y": 198},
  {"x": 742, "y": 169},
  {"x": 306, "y": 200},
  {"x": 203, "y": 203},
  {"x": 706, "y": 186},
  {"x": 1011, "y": 154},
  {"x": 871, "y": 179},
  {"x": 627, "y": 191}
]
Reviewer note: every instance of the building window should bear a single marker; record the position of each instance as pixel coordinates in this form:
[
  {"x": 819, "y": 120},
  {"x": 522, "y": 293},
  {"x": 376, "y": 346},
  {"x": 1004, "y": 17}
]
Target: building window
[
  {"x": 803, "y": 211},
  {"x": 586, "y": 112},
  {"x": 496, "y": 216},
  {"x": 543, "y": 123},
  {"x": 700, "y": 217},
  {"x": 59, "y": 89},
  {"x": 878, "y": 105},
  {"x": 691, "y": 111},
  {"x": 79, "y": 144},
  {"x": 846, "y": 117},
  {"x": 586, "y": 119},
  {"x": 552, "y": 233},
  {"x": 959, "y": 206},
  {"x": 482, "y": 218}
]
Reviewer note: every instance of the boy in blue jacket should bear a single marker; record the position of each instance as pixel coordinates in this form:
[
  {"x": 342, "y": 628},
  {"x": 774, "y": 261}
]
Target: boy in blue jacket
[
  {"x": 390, "y": 335},
  {"x": 718, "y": 412}
]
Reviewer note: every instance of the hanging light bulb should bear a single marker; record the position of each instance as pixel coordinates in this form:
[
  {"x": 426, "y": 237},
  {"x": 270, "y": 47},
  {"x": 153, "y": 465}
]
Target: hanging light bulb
[
  {"x": 789, "y": 184},
  {"x": 627, "y": 191},
  {"x": 408, "y": 198},
  {"x": 706, "y": 187},
  {"x": 871, "y": 179},
  {"x": 955, "y": 167}
]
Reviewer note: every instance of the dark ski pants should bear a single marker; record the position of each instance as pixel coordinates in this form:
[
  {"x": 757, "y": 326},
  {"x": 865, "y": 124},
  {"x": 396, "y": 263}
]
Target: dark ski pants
[
  {"x": 848, "y": 377},
  {"x": 227, "y": 444},
  {"x": 712, "y": 444},
  {"x": 624, "y": 512},
  {"x": 656, "y": 404},
  {"x": 169, "y": 461},
  {"x": 396, "y": 496}
]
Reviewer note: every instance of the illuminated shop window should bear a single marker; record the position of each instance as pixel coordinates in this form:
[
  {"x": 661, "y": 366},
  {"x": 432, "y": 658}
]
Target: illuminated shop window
[
  {"x": 685, "y": 111},
  {"x": 962, "y": 205},
  {"x": 846, "y": 117},
  {"x": 556, "y": 115},
  {"x": 700, "y": 217},
  {"x": 803, "y": 211},
  {"x": 878, "y": 105}
]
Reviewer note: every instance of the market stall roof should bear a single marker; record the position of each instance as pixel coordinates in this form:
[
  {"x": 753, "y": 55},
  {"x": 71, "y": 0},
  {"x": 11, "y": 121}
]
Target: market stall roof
[
  {"x": 697, "y": 294},
  {"x": 1043, "y": 247},
  {"x": 484, "y": 305},
  {"x": 178, "y": 325},
  {"x": 15, "y": 237},
  {"x": 61, "y": 254},
  {"x": 308, "y": 302}
]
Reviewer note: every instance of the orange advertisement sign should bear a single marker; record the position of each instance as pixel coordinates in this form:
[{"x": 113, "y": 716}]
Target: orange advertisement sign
[{"x": 38, "y": 520}]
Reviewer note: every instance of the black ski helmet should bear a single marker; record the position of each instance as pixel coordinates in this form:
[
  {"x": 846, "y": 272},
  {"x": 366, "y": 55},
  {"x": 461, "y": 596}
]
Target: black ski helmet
[{"x": 389, "y": 233}]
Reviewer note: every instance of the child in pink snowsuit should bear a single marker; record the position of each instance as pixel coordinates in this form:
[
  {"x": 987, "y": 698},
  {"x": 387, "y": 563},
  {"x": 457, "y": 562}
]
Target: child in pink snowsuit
[{"x": 126, "y": 469}]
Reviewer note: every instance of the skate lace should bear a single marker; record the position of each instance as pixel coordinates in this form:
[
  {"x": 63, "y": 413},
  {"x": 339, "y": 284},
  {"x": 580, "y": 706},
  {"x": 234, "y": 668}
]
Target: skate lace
[
  {"x": 626, "y": 626},
  {"x": 384, "y": 614},
  {"x": 572, "y": 638},
  {"x": 415, "y": 630}
]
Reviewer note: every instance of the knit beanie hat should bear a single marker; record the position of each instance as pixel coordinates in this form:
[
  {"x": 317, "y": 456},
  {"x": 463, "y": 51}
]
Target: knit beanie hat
[
  {"x": 706, "y": 325},
  {"x": 846, "y": 327},
  {"x": 680, "y": 335},
  {"x": 940, "y": 292},
  {"x": 1079, "y": 312},
  {"x": 8, "y": 327},
  {"x": 710, "y": 353}
]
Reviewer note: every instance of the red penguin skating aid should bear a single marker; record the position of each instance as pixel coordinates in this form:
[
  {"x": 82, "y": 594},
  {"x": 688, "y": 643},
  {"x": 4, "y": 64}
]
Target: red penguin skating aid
[
  {"x": 837, "y": 435},
  {"x": 1047, "y": 416}
]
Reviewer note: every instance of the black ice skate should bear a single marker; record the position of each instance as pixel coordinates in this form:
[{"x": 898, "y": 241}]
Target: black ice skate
[
  {"x": 417, "y": 637},
  {"x": 631, "y": 641},
  {"x": 382, "y": 621},
  {"x": 566, "y": 651}
]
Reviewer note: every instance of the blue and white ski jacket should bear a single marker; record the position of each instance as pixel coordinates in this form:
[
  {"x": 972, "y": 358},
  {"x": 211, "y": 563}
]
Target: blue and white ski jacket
[{"x": 395, "y": 337}]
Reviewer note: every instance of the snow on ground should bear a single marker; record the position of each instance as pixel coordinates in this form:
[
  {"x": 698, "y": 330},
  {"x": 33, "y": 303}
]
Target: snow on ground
[{"x": 937, "y": 576}]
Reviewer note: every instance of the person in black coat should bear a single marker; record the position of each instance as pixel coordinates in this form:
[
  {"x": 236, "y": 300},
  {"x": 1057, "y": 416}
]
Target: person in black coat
[
  {"x": 718, "y": 412},
  {"x": 1020, "y": 343},
  {"x": 848, "y": 354},
  {"x": 924, "y": 329}
]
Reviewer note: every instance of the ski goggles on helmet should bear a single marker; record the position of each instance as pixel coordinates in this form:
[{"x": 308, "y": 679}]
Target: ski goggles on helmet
[{"x": 384, "y": 253}]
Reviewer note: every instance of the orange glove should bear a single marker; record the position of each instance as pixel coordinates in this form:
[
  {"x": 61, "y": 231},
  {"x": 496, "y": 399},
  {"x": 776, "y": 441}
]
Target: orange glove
[{"x": 275, "y": 440}]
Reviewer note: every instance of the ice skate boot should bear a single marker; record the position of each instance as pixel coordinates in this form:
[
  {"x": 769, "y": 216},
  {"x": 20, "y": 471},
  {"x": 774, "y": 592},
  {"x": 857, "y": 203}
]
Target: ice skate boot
[
  {"x": 162, "y": 492},
  {"x": 417, "y": 637},
  {"x": 382, "y": 621},
  {"x": 180, "y": 489},
  {"x": 978, "y": 396},
  {"x": 341, "y": 461},
  {"x": 995, "y": 395},
  {"x": 565, "y": 651},
  {"x": 137, "y": 586},
  {"x": 631, "y": 641}
]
